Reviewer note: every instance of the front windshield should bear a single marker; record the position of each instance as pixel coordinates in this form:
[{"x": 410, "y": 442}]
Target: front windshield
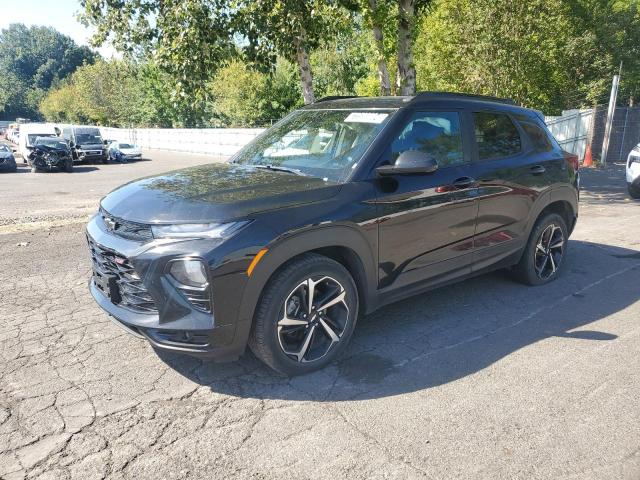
[
  {"x": 88, "y": 136},
  {"x": 125, "y": 145},
  {"x": 51, "y": 142},
  {"x": 33, "y": 137},
  {"x": 321, "y": 143}
]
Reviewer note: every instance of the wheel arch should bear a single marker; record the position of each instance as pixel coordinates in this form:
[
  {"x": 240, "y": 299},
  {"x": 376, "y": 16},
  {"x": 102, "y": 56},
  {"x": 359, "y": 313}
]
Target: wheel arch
[
  {"x": 344, "y": 244},
  {"x": 562, "y": 208},
  {"x": 563, "y": 201}
]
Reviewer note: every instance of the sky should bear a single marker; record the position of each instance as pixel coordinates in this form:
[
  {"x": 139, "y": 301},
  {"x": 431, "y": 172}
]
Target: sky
[{"x": 59, "y": 14}]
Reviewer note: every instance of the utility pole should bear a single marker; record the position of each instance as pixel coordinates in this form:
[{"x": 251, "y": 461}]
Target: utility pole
[{"x": 610, "y": 113}]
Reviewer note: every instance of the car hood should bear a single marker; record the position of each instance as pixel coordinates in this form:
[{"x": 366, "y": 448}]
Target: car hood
[
  {"x": 57, "y": 151},
  {"x": 213, "y": 193},
  {"x": 130, "y": 151}
]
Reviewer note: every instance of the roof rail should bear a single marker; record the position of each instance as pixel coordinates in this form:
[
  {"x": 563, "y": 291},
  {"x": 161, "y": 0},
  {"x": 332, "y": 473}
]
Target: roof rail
[
  {"x": 453, "y": 95},
  {"x": 335, "y": 97}
]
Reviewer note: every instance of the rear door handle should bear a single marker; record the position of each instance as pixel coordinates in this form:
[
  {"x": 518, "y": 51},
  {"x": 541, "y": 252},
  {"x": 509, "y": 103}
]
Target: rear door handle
[
  {"x": 537, "y": 170},
  {"x": 464, "y": 182}
]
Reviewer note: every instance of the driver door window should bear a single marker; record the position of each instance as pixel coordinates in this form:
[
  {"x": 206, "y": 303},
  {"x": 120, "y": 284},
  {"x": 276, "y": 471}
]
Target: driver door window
[{"x": 435, "y": 133}]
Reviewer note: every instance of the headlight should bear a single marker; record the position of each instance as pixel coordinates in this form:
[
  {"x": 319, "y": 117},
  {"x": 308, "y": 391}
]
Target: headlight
[
  {"x": 189, "y": 272},
  {"x": 197, "y": 230}
]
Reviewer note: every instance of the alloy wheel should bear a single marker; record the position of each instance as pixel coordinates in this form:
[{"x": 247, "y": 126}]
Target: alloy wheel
[
  {"x": 549, "y": 251},
  {"x": 313, "y": 318}
]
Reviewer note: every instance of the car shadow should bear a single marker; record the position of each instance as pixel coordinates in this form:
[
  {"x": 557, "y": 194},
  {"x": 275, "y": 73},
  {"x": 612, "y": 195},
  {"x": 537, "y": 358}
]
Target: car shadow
[
  {"x": 447, "y": 334},
  {"x": 84, "y": 168},
  {"x": 604, "y": 185}
]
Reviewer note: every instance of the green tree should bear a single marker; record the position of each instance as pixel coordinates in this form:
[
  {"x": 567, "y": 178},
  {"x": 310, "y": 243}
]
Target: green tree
[
  {"x": 270, "y": 97},
  {"x": 289, "y": 28},
  {"x": 32, "y": 59},
  {"x": 546, "y": 54}
]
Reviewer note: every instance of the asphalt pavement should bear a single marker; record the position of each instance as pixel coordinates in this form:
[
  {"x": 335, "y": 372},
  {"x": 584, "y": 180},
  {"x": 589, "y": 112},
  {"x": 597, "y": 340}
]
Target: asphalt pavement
[{"x": 485, "y": 379}]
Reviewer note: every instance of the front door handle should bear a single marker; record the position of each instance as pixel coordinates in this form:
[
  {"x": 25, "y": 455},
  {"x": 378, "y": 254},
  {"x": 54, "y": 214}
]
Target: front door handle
[
  {"x": 538, "y": 170},
  {"x": 464, "y": 182}
]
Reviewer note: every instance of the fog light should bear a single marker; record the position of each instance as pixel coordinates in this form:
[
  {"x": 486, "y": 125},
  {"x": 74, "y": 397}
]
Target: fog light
[{"x": 189, "y": 272}]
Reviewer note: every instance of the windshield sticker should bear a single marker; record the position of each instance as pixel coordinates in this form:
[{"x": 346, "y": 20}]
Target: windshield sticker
[{"x": 366, "y": 117}]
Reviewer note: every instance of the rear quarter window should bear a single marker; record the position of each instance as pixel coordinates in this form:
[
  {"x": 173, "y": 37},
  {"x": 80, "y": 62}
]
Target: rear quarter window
[{"x": 538, "y": 136}]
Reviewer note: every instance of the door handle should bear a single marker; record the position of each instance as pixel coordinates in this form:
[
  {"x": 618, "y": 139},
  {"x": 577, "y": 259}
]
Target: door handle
[
  {"x": 464, "y": 182},
  {"x": 538, "y": 170}
]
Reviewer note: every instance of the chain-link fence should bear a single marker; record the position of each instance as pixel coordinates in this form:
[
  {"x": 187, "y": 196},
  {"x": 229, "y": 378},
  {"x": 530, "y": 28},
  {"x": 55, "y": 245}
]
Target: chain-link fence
[{"x": 575, "y": 129}]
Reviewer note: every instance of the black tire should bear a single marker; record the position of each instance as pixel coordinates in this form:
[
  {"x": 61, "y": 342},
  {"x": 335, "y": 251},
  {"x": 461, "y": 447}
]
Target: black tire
[
  {"x": 68, "y": 166},
  {"x": 529, "y": 270},
  {"x": 266, "y": 339},
  {"x": 634, "y": 190}
]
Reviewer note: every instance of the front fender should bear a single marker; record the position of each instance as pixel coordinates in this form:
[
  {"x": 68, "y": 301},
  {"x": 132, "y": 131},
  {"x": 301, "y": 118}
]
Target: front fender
[{"x": 289, "y": 246}]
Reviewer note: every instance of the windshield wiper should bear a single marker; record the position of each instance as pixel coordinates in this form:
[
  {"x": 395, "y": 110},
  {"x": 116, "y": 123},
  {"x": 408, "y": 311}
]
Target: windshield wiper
[{"x": 295, "y": 171}]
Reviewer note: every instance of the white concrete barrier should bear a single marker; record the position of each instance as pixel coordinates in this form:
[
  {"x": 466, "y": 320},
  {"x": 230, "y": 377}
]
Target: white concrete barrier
[{"x": 213, "y": 141}]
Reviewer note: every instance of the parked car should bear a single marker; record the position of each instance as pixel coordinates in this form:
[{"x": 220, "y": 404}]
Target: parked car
[
  {"x": 29, "y": 132},
  {"x": 633, "y": 172},
  {"x": 86, "y": 143},
  {"x": 378, "y": 200},
  {"x": 48, "y": 153},
  {"x": 7, "y": 160},
  {"x": 123, "y": 152}
]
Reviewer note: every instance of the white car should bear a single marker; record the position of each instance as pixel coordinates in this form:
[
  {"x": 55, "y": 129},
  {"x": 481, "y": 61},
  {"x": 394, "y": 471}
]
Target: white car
[
  {"x": 633, "y": 172},
  {"x": 123, "y": 152},
  {"x": 28, "y": 134}
]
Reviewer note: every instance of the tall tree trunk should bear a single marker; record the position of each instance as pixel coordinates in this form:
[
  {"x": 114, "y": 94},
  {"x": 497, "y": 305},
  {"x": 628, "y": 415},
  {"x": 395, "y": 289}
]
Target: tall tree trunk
[
  {"x": 383, "y": 71},
  {"x": 406, "y": 76},
  {"x": 304, "y": 68}
]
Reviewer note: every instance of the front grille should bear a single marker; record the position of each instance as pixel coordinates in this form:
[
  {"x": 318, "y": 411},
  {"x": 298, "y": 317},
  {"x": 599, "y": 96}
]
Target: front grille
[
  {"x": 140, "y": 232},
  {"x": 132, "y": 293}
]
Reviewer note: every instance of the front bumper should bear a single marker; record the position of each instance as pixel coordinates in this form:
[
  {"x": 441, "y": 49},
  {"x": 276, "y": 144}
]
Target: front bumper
[
  {"x": 7, "y": 164},
  {"x": 633, "y": 169},
  {"x": 133, "y": 156},
  {"x": 48, "y": 163},
  {"x": 90, "y": 155},
  {"x": 176, "y": 325}
]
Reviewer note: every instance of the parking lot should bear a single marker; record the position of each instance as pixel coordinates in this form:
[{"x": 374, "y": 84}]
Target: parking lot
[{"x": 482, "y": 379}]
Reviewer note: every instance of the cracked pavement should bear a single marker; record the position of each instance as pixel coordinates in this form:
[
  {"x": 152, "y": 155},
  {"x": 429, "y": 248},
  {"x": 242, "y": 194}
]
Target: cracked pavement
[{"x": 482, "y": 379}]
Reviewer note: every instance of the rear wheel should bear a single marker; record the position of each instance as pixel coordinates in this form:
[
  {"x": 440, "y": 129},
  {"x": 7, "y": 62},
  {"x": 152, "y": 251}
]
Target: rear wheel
[
  {"x": 545, "y": 251},
  {"x": 306, "y": 315},
  {"x": 634, "y": 190}
]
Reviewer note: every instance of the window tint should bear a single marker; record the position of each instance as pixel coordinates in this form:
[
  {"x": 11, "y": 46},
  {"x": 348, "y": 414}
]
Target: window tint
[
  {"x": 496, "y": 135},
  {"x": 539, "y": 138},
  {"x": 435, "y": 133}
]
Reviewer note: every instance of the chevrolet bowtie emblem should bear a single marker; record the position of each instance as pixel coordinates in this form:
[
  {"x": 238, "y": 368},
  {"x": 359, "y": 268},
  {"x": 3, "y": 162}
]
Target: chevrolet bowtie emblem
[{"x": 110, "y": 222}]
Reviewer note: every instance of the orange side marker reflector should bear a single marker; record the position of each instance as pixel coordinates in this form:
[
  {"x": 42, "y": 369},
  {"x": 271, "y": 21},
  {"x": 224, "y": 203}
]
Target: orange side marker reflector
[{"x": 255, "y": 261}]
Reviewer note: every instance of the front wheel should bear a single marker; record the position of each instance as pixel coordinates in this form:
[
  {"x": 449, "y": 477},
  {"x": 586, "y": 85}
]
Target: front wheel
[
  {"x": 68, "y": 166},
  {"x": 634, "y": 190},
  {"x": 306, "y": 315},
  {"x": 545, "y": 251}
]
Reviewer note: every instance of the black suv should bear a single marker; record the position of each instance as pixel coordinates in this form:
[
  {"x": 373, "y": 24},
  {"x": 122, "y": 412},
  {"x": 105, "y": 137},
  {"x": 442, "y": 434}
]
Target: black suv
[{"x": 343, "y": 206}]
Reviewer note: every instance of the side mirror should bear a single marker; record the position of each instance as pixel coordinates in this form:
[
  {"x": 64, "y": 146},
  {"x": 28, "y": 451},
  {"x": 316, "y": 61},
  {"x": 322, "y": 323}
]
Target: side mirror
[
  {"x": 106, "y": 142},
  {"x": 410, "y": 162}
]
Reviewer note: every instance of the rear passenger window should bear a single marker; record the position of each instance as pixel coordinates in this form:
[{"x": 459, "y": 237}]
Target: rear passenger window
[
  {"x": 539, "y": 138},
  {"x": 496, "y": 135}
]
